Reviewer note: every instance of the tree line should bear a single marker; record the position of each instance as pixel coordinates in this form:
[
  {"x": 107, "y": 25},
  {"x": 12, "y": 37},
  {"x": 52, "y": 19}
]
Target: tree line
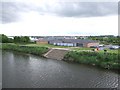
[
  {"x": 16, "y": 39},
  {"x": 106, "y": 39}
]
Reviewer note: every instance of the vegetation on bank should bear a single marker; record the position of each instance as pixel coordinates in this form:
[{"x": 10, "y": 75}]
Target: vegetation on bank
[
  {"x": 53, "y": 46},
  {"x": 5, "y": 39},
  {"x": 16, "y": 39},
  {"x": 104, "y": 60},
  {"x": 109, "y": 60},
  {"x": 107, "y": 39},
  {"x": 25, "y": 49},
  {"x": 71, "y": 48}
]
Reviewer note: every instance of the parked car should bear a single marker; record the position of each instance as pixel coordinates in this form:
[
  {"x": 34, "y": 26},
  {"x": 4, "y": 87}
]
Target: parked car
[
  {"x": 101, "y": 45},
  {"x": 114, "y": 47}
]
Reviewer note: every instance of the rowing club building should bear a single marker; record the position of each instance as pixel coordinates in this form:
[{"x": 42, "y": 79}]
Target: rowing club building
[{"x": 70, "y": 42}]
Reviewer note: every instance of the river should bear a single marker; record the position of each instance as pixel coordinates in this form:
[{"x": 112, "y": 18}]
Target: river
[{"x": 29, "y": 71}]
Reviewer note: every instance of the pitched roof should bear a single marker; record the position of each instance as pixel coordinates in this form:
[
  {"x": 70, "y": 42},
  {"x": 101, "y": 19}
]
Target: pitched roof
[{"x": 73, "y": 41}]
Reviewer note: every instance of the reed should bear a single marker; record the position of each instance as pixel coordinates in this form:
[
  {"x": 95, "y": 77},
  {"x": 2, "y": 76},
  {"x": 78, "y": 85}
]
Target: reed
[
  {"x": 26, "y": 49},
  {"x": 104, "y": 60}
]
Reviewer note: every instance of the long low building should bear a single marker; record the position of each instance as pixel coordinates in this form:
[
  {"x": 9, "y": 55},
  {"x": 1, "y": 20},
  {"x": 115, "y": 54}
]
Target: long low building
[{"x": 74, "y": 42}]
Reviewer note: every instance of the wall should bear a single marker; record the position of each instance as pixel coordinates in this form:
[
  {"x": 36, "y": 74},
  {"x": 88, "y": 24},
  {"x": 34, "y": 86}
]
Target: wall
[
  {"x": 91, "y": 44},
  {"x": 42, "y": 42}
]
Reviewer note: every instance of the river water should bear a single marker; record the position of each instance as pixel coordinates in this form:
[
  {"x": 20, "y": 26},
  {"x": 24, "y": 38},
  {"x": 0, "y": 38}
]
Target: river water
[{"x": 29, "y": 71}]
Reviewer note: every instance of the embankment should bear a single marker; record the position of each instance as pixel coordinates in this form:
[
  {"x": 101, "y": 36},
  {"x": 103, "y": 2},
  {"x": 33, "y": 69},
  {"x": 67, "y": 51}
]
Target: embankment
[
  {"x": 56, "y": 53},
  {"x": 25, "y": 49},
  {"x": 104, "y": 60}
]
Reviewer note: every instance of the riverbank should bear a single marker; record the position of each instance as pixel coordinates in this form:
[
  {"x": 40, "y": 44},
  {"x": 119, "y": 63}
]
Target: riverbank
[
  {"x": 103, "y": 60},
  {"x": 99, "y": 59},
  {"x": 25, "y": 49},
  {"x": 32, "y": 71}
]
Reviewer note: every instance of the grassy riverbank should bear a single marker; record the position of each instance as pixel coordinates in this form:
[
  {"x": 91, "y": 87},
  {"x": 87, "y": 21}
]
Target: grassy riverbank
[
  {"x": 25, "y": 49},
  {"x": 107, "y": 60},
  {"x": 71, "y": 48},
  {"x": 53, "y": 46}
]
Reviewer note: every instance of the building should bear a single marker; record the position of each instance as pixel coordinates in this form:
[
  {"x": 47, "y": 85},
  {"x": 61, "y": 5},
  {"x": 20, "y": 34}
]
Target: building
[
  {"x": 74, "y": 42},
  {"x": 11, "y": 37},
  {"x": 33, "y": 39},
  {"x": 59, "y": 37},
  {"x": 42, "y": 41}
]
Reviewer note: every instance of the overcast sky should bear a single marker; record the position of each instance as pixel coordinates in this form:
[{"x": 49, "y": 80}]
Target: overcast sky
[{"x": 56, "y": 17}]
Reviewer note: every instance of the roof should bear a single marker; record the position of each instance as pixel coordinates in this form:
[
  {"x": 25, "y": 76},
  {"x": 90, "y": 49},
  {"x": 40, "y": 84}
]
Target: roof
[
  {"x": 73, "y": 41},
  {"x": 42, "y": 40}
]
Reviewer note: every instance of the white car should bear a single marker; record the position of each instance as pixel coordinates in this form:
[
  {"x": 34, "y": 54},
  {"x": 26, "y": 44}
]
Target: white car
[{"x": 115, "y": 47}]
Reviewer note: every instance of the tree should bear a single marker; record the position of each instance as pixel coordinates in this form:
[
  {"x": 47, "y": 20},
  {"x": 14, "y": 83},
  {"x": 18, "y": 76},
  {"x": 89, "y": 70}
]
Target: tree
[
  {"x": 27, "y": 39},
  {"x": 22, "y": 39},
  {"x": 4, "y": 38},
  {"x": 17, "y": 39}
]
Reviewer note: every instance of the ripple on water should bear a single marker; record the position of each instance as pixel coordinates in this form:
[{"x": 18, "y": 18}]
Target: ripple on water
[{"x": 30, "y": 71}]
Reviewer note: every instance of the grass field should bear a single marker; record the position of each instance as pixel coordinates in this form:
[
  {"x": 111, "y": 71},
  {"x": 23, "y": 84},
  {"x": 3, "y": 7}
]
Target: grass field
[
  {"x": 53, "y": 46},
  {"x": 46, "y": 45},
  {"x": 71, "y": 48}
]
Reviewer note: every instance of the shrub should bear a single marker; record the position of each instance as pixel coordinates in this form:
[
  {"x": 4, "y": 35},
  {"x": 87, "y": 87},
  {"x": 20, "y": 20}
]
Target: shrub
[
  {"x": 108, "y": 60},
  {"x": 25, "y": 49}
]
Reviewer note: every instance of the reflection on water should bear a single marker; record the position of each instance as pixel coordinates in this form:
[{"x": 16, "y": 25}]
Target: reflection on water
[{"x": 28, "y": 71}]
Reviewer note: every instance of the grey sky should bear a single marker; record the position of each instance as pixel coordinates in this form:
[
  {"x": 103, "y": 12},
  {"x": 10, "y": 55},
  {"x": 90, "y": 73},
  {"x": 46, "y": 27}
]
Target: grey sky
[
  {"x": 11, "y": 11},
  {"x": 58, "y": 17}
]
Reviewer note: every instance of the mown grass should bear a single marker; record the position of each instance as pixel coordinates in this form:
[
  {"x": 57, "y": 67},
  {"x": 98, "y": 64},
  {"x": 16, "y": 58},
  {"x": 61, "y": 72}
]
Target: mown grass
[
  {"x": 53, "y": 46},
  {"x": 104, "y": 60},
  {"x": 26, "y": 49},
  {"x": 71, "y": 48},
  {"x": 47, "y": 45},
  {"x": 110, "y": 51}
]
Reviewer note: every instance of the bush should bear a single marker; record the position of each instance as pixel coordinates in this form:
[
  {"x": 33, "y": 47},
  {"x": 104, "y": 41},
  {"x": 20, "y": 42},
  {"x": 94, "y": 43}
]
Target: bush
[
  {"x": 108, "y": 60},
  {"x": 25, "y": 49}
]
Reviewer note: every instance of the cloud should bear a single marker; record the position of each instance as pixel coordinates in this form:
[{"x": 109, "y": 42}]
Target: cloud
[
  {"x": 44, "y": 25},
  {"x": 84, "y": 9},
  {"x": 119, "y": 7},
  {"x": 12, "y": 11}
]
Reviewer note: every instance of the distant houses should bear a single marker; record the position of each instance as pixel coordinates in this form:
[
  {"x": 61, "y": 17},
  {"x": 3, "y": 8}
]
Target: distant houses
[
  {"x": 33, "y": 39},
  {"x": 11, "y": 37},
  {"x": 69, "y": 42}
]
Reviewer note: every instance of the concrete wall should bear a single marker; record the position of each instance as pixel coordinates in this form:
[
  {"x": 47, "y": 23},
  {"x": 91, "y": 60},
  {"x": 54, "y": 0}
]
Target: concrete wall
[{"x": 57, "y": 54}]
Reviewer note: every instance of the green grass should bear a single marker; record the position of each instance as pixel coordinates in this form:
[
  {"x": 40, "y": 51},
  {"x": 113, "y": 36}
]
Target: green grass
[
  {"x": 72, "y": 48},
  {"x": 46, "y": 45},
  {"x": 25, "y": 49},
  {"x": 108, "y": 60},
  {"x": 53, "y": 46},
  {"x": 109, "y": 51},
  {"x": 77, "y": 54}
]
